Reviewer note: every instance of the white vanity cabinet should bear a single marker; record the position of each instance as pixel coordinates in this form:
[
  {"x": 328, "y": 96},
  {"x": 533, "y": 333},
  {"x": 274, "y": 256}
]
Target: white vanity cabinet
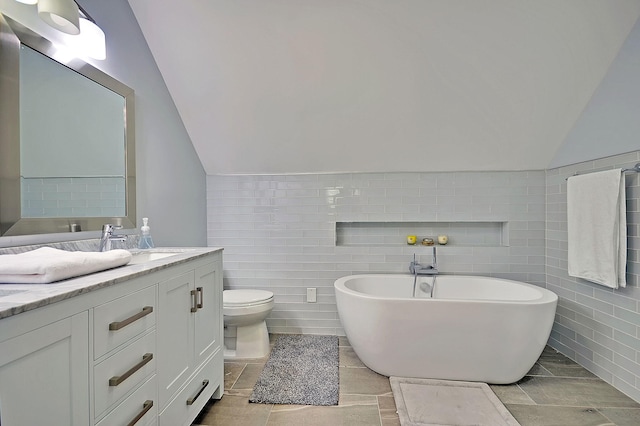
[
  {"x": 190, "y": 364},
  {"x": 44, "y": 374},
  {"x": 144, "y": 351}
]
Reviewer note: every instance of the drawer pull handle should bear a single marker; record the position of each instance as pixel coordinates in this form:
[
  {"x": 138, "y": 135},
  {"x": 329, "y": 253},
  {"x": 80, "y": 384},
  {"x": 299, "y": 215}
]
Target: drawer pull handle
[
  {"x": 200, "y": 291},
  {"x": 191, "y": 400},
  {"x": 145, "y": 407},
  {"x": 117, "y": 325},
  {"x": 194, "y": 301},
  {"x": 116, "y": 380}
]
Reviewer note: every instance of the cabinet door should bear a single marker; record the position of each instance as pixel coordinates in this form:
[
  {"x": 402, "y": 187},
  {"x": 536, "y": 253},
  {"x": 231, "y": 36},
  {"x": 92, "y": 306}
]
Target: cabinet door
[
  {"x": 175, "y": 334},
  {"x": 44, "y": 375},
  {"x": 208, "y": 317}
]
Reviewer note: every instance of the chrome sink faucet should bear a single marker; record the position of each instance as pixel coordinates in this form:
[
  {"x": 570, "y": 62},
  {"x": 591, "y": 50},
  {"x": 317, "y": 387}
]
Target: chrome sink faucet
[
  {"x": 107, "y": 236},
  {"x": 419, "y": 269}
]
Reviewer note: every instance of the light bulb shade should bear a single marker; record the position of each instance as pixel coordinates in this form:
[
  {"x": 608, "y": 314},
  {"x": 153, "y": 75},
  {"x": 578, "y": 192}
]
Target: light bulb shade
[
  {"x": 90, "y": 42},
  {"x": 62, "y": 15}
]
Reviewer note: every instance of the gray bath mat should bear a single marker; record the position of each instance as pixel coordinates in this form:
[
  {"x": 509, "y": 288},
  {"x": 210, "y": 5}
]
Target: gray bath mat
[
  {"x": 301, "y": 370},
  {"x": 424, "y": 402}
]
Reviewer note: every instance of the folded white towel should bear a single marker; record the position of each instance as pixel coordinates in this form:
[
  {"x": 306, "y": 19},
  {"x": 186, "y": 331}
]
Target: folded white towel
[
  {"x": 46, "y": 264},
  {"x": 597, "y": 227}
]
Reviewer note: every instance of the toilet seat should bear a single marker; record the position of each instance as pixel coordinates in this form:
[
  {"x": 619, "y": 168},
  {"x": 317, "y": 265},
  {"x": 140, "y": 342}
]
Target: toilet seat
[{"x": 245, "y": 298}]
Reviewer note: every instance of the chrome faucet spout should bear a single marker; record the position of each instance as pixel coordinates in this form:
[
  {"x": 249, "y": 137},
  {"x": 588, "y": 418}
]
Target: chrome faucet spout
[
  {"x": 108, "y": 236},
  {"x": 419, "y": 269}
]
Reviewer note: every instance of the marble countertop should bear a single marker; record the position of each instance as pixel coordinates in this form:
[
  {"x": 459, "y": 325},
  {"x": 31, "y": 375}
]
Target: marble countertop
[{"x": 17, "y": 298}]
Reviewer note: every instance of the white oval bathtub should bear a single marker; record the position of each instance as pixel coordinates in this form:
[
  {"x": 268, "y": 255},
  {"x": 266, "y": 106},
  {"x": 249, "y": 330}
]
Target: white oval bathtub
[{"x": 473, "y": 328}]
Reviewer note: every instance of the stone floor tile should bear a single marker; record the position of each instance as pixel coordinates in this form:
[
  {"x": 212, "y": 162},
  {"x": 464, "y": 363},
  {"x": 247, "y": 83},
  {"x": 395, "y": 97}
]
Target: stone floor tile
[
  {"x": 348, "y": 357},
  {"x": 352, "y": 415},
  {"x": 622, "y": 416},
  {"x": 232, "y": 371},
  {"x": 388, "y": 411},
  {"x": 245, "y": 393},
  {"x": 511, "y": 394},
  {"x": 234, "y": 410},
  {"x": 363, "y": 381},
  {"x": 366, "y": 397},
  {"x": 346, "y": 399},
  {"x": 574, "y": 392},
  {"x": 249, "y": 377},
  {"x": 545, "y": 415},
  {"x": 559, "y": 365},
  {"x": 538, "y": 370}
]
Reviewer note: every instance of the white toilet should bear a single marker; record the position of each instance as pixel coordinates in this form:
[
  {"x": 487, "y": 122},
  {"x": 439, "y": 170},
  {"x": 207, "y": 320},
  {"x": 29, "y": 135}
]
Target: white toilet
[{"x": 245, "y": 330}]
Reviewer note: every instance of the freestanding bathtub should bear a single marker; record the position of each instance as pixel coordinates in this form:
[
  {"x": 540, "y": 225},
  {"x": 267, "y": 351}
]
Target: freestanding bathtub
[{"x": 472, "y": 328}]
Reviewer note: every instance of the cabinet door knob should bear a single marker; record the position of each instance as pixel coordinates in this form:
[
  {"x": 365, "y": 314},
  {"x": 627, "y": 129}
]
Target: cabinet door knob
[
  {"x": 145, "y": 407},
  {"x": 116, "y": 380},
  {"x": 117, "y": 325}
]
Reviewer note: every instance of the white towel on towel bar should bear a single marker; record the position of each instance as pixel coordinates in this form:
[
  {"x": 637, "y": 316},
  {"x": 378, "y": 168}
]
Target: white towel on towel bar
[
  {"x": 46, "y": 265},
  {"x": 597, "y": 227}
]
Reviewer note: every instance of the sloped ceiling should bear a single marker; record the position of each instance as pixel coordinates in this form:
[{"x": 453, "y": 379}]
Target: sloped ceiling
[{"x": 296, "y": 86}]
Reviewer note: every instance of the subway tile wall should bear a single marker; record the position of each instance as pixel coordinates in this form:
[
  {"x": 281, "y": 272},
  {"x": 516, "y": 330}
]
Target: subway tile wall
[
  {"x": 596, "y": 326},
  {"x": 279, "y": 232},
  {"x": 73, "y": 197}
]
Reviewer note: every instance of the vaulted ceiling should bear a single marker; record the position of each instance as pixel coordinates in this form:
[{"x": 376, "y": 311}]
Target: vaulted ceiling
[{"x": 292, "y": 86}]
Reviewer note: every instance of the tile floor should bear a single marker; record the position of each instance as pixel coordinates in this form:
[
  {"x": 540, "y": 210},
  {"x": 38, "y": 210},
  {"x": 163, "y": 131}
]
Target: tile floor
[{"x": 555, "y": 392}]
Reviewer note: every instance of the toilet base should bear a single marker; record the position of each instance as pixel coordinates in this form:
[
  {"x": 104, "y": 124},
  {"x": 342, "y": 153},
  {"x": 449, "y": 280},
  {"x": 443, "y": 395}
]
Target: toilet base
[{"x": 251, "y": 341}]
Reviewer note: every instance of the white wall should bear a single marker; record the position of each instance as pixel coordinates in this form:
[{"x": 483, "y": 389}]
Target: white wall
[
  {"x": 170, "y": 177},
  {"x": 290, "y": 86},
  {"x": 610, "y": 123}
]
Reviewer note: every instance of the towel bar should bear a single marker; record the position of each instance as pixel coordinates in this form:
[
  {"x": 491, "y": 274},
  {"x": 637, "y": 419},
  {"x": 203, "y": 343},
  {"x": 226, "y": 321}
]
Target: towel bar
[{"x": 635, "y": 169}]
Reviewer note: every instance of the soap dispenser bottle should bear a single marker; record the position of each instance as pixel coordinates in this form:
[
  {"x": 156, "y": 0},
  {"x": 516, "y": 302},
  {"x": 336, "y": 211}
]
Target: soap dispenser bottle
[{"x": 146, "y": 242}]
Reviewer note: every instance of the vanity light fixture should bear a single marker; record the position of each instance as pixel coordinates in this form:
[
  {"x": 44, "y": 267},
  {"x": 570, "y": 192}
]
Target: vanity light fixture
[
  {"x": 62, "y": 15},
  {"x": 71, "y": 18},
  {"x": 91, "y": 40}
]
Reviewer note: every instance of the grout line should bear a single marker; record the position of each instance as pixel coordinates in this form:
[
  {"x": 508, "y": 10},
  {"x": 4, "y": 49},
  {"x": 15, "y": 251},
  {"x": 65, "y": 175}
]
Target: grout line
[{"x": 236, "y": 380}]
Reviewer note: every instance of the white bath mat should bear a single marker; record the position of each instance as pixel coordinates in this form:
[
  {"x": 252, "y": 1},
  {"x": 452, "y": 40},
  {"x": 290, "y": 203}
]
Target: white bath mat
[{"x": 427, "y": 402}]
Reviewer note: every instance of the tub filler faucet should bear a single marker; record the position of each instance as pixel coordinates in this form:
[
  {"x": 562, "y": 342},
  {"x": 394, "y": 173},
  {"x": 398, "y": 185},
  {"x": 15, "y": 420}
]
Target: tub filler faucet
[
  {"x": 430, "y": 270},
  {"x": 108, "y": 236},
  {"x": 419, "y": 269}
]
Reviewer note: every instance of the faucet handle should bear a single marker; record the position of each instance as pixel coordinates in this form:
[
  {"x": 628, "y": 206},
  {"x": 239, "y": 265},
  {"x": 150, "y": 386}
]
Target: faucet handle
[{"x": 109, "y": 228}]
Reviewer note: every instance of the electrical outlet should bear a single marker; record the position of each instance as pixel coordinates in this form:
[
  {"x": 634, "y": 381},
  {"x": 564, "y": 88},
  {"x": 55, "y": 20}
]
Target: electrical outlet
[{"x": 311, "y": 295}]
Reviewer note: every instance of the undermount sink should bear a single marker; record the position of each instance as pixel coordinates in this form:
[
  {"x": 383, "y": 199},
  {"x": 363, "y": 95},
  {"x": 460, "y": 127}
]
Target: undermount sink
[{"x": 148, "y": 256}]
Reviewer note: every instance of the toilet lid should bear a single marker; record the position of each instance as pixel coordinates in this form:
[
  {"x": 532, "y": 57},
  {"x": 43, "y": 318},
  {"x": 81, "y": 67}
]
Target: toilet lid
[{"x": 245, "y": 297}]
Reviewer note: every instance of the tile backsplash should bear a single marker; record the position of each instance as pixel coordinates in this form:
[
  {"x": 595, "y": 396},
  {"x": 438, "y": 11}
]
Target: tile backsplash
[{"x": 279, "y": 231}]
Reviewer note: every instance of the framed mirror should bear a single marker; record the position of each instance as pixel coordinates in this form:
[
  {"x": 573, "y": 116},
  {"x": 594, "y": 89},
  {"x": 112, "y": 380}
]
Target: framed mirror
[{"x": 67, "y": 141}]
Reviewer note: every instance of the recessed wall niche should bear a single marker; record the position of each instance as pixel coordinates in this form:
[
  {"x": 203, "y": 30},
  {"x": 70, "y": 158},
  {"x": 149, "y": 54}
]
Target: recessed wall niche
[{"x": 466, "y": 234}]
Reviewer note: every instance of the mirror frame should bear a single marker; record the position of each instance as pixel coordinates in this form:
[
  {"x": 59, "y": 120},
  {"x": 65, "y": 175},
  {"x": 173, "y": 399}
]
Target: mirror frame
[{"x": 12, "y": 35}]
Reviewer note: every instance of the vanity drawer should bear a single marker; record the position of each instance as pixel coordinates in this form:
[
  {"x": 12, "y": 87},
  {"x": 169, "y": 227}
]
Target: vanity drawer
[
  {"x": 141, "y": 405},
  {"x": 191, "y": 400},
  {"x": 122, "y": 319},
  {"x": 122, "y": 372}
]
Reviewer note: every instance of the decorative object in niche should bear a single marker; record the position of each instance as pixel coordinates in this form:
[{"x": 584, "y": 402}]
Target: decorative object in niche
[{"x": 427, "y": 241}]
